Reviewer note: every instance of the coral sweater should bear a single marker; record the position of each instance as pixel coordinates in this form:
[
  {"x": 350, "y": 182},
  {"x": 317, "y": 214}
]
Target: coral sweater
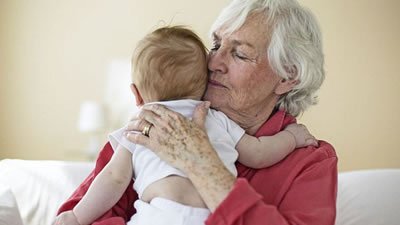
[{"x": 301, "y": 189}]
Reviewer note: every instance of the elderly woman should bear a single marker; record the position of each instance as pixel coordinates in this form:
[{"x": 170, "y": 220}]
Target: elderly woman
[{"x": 265, "y": 66}]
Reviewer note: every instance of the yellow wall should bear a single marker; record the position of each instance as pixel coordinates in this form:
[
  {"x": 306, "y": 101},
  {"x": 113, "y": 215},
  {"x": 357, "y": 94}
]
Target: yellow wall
[
  {"x": 359, "y": 102},
  {"x": 54, "y": 55}
]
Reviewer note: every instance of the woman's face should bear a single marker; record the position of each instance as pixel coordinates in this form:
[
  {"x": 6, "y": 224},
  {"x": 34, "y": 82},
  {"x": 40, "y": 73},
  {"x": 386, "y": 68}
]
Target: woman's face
[{"x": 241, "y": 81}]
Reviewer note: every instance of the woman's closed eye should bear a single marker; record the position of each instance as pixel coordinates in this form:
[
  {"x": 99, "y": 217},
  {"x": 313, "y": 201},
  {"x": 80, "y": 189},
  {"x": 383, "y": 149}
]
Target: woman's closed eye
[
  {"x": 215, "y": 47},
  {"x": 240, "y": 55}
]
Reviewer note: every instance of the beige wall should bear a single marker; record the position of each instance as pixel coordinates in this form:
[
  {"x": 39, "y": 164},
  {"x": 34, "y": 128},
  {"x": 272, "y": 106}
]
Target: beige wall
[
  {"x": 359, "y": 107},
  {"x": 53, "y": 56}
]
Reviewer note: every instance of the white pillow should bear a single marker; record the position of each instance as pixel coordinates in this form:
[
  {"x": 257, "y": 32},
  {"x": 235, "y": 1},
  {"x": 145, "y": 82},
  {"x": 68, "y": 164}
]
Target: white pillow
[
  {"x": 369, "y": 197},
  {"x": 9, "y": 214},
  {"x": 41, "y": 186}
]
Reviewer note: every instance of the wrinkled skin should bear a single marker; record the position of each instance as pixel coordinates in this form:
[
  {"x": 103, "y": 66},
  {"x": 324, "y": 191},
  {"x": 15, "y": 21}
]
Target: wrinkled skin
[
  {"x": 241, "y": 84},
  {"x": 174, "y": 138}
]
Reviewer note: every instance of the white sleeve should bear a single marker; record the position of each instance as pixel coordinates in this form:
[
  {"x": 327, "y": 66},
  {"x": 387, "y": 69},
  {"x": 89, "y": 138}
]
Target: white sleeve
[
  {"x": 233, "y": 129},
  {"x": 118, "y": 138}
]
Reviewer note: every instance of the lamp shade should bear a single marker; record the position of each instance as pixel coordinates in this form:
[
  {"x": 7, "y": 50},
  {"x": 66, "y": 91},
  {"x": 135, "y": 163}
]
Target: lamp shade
[
  {"x": 118, "y": 96},
  {"x": 91, "y": 117}
]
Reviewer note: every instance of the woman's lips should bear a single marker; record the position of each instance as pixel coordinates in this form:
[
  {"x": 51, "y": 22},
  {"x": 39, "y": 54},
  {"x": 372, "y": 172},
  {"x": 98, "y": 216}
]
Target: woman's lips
[{"x": 215, "y": 83}]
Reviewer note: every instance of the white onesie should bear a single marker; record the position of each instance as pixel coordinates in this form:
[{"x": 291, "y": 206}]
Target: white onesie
[{"x": 223, "y": 133}]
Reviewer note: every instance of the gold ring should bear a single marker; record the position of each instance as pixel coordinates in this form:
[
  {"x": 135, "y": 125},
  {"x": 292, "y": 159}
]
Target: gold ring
[{"x": 146, "y": 130}]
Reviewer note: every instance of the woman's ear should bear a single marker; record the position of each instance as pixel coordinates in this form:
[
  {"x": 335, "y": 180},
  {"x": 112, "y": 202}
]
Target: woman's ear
[
  {"x": 136, "y": 93},
  {"x": 285, "y": 86}
]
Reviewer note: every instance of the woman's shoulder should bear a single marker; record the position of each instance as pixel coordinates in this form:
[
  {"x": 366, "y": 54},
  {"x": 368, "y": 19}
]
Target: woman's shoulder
[
  {"x": 310, "y": 156},
  {"x": 326, "y": 148}
]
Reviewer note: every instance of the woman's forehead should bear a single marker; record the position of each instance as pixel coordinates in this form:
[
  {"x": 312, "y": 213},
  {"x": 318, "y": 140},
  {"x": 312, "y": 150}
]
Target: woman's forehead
[
  {"x": 253, "y": 32},
  {"x": 247, "y": 38}
]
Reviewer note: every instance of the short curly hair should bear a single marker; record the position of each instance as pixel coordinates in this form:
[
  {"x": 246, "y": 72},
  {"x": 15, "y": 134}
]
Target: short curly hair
[{"x": 295, "y": 46}]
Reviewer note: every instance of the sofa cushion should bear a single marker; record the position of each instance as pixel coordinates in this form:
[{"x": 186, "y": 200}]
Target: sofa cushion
[
  {"x": 41, "y": 186},
  {"x": 369, "y": 197},
  {"x": 9, "y": 214}
]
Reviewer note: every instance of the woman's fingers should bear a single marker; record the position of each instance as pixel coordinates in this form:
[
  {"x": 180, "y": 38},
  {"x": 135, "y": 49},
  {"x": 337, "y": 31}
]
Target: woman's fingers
[
  {"x": 150, "y": 123},
  {"x": 171, "y": 136},
  {"x": 161, "y": 110},
  {"x": 137, "y": 125},
  {"x": 200, "y": 113},
  {"x": 149, "y": 116},
  {"x": 143, "y": 119},
  {"x": 138, "y": 138}
]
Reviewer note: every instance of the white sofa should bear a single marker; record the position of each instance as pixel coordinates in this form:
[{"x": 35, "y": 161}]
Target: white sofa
[
  {"x": 32, "y": 191},
  {"x": 38, "y": 188}
]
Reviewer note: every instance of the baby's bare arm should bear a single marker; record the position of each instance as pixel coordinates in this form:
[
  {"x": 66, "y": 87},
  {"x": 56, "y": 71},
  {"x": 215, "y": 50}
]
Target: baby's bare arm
[
  {"x": 107, "y": 188},
  {"x": 267, "y": 150}
]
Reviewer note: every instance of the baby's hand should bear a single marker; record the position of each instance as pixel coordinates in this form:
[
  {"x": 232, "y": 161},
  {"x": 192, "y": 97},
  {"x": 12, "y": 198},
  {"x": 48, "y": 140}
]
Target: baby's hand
[
  {"x": 301, "y": 135},
  {"x": 66, "y": 218}
]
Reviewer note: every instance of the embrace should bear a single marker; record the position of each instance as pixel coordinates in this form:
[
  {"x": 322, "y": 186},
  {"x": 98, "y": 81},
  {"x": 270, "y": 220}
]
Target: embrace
[{"x": 216, "y": 140}]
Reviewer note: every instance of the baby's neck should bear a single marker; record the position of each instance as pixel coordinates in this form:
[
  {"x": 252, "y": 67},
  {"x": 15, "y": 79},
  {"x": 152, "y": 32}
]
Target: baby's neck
[{"x": 198, "y": 98}]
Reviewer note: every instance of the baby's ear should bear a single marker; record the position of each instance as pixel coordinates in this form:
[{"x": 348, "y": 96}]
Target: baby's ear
[{"x": 138, "y": 96}]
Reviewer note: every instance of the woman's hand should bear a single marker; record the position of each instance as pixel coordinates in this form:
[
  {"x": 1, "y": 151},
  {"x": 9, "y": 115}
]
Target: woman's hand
[
  {"x": 184, "y": 144},
  {"x": 176, "y": 139}
]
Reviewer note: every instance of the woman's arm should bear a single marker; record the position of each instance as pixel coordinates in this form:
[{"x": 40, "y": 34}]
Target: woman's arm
[
  {"x": 265, "y": 151},
  {"x": 309, "y": 200},
  {"x": 107, "y": 188},
  {"x": 184, "y": 144}
]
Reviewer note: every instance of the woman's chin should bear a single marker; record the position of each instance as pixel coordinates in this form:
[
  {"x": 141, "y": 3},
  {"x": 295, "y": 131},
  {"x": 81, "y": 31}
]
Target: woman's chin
[{"x": 211, "y": 96}]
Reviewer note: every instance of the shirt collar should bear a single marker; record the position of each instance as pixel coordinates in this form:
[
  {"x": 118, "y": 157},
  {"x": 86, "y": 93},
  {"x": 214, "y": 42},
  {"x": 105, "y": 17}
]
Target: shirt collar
[{"x": 277, "y": 122}]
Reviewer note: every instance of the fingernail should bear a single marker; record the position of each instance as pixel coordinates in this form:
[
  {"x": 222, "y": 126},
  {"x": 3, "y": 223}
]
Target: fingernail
[{"x": 207, "y": 104}]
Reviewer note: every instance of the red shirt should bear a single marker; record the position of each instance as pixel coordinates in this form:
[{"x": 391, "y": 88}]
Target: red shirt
[{"x": 301, "y": 189}]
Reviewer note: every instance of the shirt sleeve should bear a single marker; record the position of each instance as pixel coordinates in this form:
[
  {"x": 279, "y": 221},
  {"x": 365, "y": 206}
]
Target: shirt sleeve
[
  {"x": 311, "y": 200},
  {"x": 118, "y": 138}
]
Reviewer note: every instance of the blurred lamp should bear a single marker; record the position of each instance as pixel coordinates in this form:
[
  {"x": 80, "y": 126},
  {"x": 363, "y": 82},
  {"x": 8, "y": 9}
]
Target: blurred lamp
[{"x": 92, "y": 121}]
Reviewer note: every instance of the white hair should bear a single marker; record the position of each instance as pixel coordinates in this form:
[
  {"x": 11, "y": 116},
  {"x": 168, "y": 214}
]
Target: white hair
[{"x": 295, "y": 47}]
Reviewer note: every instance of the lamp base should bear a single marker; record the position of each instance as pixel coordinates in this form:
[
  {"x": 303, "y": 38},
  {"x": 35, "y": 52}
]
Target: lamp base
[{"x": 94, "y": 146}]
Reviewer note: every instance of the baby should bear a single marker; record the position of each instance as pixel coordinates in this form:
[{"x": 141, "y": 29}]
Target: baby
[{"x": 169, "y": 67}]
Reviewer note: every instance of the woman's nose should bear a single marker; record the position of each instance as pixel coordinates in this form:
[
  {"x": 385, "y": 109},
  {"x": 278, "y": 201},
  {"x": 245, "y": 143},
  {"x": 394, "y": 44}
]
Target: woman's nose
[{"x": 217, "y": 61}]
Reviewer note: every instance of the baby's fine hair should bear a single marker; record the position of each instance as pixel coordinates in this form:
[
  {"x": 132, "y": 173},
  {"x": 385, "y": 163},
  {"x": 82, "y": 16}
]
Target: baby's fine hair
[{"x": 170, "y": 63}]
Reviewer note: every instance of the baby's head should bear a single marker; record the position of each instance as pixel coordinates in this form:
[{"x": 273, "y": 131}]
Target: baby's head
[{"x": 169, "y": 64}]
